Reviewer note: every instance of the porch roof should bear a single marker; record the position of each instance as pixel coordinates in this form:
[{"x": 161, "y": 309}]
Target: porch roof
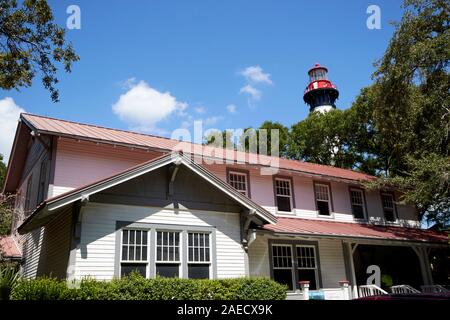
[
  {"x": 9, "y": 248},
  {"x": 355, "y": 230}
]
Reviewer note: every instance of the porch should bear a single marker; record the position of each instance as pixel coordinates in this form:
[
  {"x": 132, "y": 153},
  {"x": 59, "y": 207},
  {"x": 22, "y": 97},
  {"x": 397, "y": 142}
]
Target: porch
[{"x": 351, "y": 261}]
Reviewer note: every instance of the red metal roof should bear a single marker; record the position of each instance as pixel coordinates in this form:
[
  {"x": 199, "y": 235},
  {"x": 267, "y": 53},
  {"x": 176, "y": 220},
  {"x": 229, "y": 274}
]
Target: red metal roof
[
  {"x": 85, "y": 131},
  {"x": 9, "y": 248},
  {"x": 355, "y": 230}
]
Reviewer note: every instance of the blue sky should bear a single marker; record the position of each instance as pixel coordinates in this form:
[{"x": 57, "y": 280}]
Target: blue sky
[{"x": 183, "y": 60}]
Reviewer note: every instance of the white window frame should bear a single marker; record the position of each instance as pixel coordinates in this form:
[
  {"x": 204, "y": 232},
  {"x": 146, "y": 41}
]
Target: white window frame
[
  {"x": 394, "y": 209},
  {"x": 363, "y": 204},
  {"x": 147, "y": 261},
  {"x": 204, "y": 247},
  {"x": 316, "y": 262},
  {"x": 292, "y": 267},
  {"x": 246, "y": 182},
  {"x": 291, "y": 200},
  {"x": 178, "y": 262},
  {"x": 330, "y": 207}
]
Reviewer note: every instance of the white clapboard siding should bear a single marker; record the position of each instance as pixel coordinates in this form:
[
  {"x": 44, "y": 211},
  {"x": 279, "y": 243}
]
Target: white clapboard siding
[
  {"x": 46, "y": 249},
  {"x": 95, "y": 253},
  {"x": 56, "y": 246},
  {"x": 332, "y": 262},
  {"x": 31, "y": 253},
  {"x": 330, "y": 254}
]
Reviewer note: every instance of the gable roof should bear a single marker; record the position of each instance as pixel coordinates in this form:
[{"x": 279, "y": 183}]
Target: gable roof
[
  {"x": 52, "y": 206},
  {"x": 52, "y": 126}
]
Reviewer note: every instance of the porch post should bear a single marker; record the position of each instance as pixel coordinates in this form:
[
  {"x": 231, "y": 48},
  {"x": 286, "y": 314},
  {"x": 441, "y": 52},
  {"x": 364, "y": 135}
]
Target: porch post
[
  {"x": 351, "y": 268},
  {"x": 425, "y": 267}
]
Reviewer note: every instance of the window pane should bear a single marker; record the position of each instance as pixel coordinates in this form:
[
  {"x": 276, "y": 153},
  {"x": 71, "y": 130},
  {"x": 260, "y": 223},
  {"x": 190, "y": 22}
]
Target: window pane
[
  {"x": 138, "y": 237},
  {"x": 283, "y": 276},
  {"x": 198, "y": 271},
  {"x": 389, "y": 215},
  {"x": 144, "y": 253},
  {"x": 284, "y": 203},
  {"x": 358, "y": 211},
  {"x": 138, "y": 253},
  {"x": 127, "y": 268},
  {"x": 124, "y": 252},
  {"x": 323, "y": 208},
  {"x": 125, "y": 237},
  {"x": 132, "y": 236},
  {"x": 159, "y": 253},
  {"x": 308, "y": 275},
  {"x": 144, "y": 238},
  {"x": 168, "y": 270}
]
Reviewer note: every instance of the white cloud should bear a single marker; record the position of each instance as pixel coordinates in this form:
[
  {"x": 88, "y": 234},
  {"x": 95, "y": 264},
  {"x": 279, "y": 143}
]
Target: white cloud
[
  {"x": 200, "y": 110},
  {"x": 142, "y": 106},
  {"x": 254, "y": 93},
  {"x": 231, "y": 108},
  {"x": 10, "y": 113},
  {"x": 211, "y": 121},
  {"x": 255, "y": 74}
]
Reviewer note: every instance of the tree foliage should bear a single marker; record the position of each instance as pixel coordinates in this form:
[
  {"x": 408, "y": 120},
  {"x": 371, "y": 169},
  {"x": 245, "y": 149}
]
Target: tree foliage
[{"x": 31, "y": 43}]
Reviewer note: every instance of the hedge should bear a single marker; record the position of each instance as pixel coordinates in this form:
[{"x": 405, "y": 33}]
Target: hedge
[{"x": 136, "y": 287}]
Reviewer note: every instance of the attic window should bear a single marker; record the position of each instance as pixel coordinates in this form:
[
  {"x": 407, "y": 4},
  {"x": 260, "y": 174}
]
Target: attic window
[{"x": 238, "y": 180}]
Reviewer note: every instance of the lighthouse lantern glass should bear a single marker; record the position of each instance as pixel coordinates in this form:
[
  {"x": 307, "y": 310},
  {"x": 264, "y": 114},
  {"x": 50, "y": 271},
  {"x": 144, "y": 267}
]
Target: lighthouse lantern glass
[{"x": 318, "y": 74}]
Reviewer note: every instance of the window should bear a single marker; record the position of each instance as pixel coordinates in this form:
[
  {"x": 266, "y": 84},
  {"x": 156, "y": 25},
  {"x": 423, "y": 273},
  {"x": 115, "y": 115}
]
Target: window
[
  {"x": 307, "y": 266},
  {"x": 199, "y": 260},
  {"x": 134, "y": 252},
  {"x": 42, "y": 180},
  {"x": 357, "y": 202},
  {"x": 388, "y": 206},
  {"x": 283, "y": 194},
  {"x": 168, "y": 253},
  {"x": 295, "y": 262},
  {"x": 322, "y": 192},
  {"x": 27, "y": 206},
  {"x": 238, "y": 180},
  {"x": 282, "y": 265}
]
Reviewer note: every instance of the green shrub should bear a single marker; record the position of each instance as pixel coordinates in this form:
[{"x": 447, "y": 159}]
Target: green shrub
[
  {"x": 135, "y": 287},
  {"x": 39, "y": 289},
  {"x": 9, "y": 276}
]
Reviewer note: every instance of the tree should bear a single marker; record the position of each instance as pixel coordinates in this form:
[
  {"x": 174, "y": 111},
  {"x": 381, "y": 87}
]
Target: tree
[
  {"x": 2, "y": 171},
  {"x": 5, "y": 203},
  {"x": 262, "y": 138},
  {"x": 220, "y": 139},
  {"x": 30, "y": 42},
  {"x": 411, "y": 107}
]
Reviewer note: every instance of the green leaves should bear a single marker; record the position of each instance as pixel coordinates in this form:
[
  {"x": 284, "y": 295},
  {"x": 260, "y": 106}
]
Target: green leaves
[
  {"x": 30, "y": 44},
  {"x": 136, "y": 287}
]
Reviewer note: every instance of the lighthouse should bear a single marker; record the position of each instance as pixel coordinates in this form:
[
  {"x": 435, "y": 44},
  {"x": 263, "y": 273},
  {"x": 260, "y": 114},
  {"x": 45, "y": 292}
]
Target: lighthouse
[{"x": 321, "y": 93}]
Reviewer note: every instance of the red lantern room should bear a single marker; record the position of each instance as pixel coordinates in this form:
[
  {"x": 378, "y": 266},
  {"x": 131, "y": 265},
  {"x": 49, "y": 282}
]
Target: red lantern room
[{"x": 321, "y": 93}]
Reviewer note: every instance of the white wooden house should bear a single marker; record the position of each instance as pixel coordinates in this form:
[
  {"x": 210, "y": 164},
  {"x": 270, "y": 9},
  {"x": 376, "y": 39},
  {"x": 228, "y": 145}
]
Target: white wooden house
[{"x": 93, "y": 201}]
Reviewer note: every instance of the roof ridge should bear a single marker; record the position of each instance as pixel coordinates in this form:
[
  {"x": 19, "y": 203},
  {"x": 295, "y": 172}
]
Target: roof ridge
[{"x": 194, "y": 144}]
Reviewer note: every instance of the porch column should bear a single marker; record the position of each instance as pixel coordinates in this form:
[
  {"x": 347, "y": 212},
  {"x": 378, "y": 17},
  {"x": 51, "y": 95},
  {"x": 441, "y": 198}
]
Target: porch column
[
  {"x": 348, "y": 256},
  {"x": 425, "y": 266}
]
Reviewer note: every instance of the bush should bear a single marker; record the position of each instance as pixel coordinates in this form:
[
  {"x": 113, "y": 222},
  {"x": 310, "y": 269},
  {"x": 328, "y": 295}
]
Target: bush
[
  {"x": 9, "y": 276},
  {"x": 135, "y": 287}
]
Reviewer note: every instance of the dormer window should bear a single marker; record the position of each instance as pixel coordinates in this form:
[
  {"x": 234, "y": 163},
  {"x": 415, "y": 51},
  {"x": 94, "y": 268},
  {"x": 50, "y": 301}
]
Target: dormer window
[
  {"x": 323, "y": 199},
  {"x": 388, "y": 206},
  {"x": 239, "y": 181}
]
